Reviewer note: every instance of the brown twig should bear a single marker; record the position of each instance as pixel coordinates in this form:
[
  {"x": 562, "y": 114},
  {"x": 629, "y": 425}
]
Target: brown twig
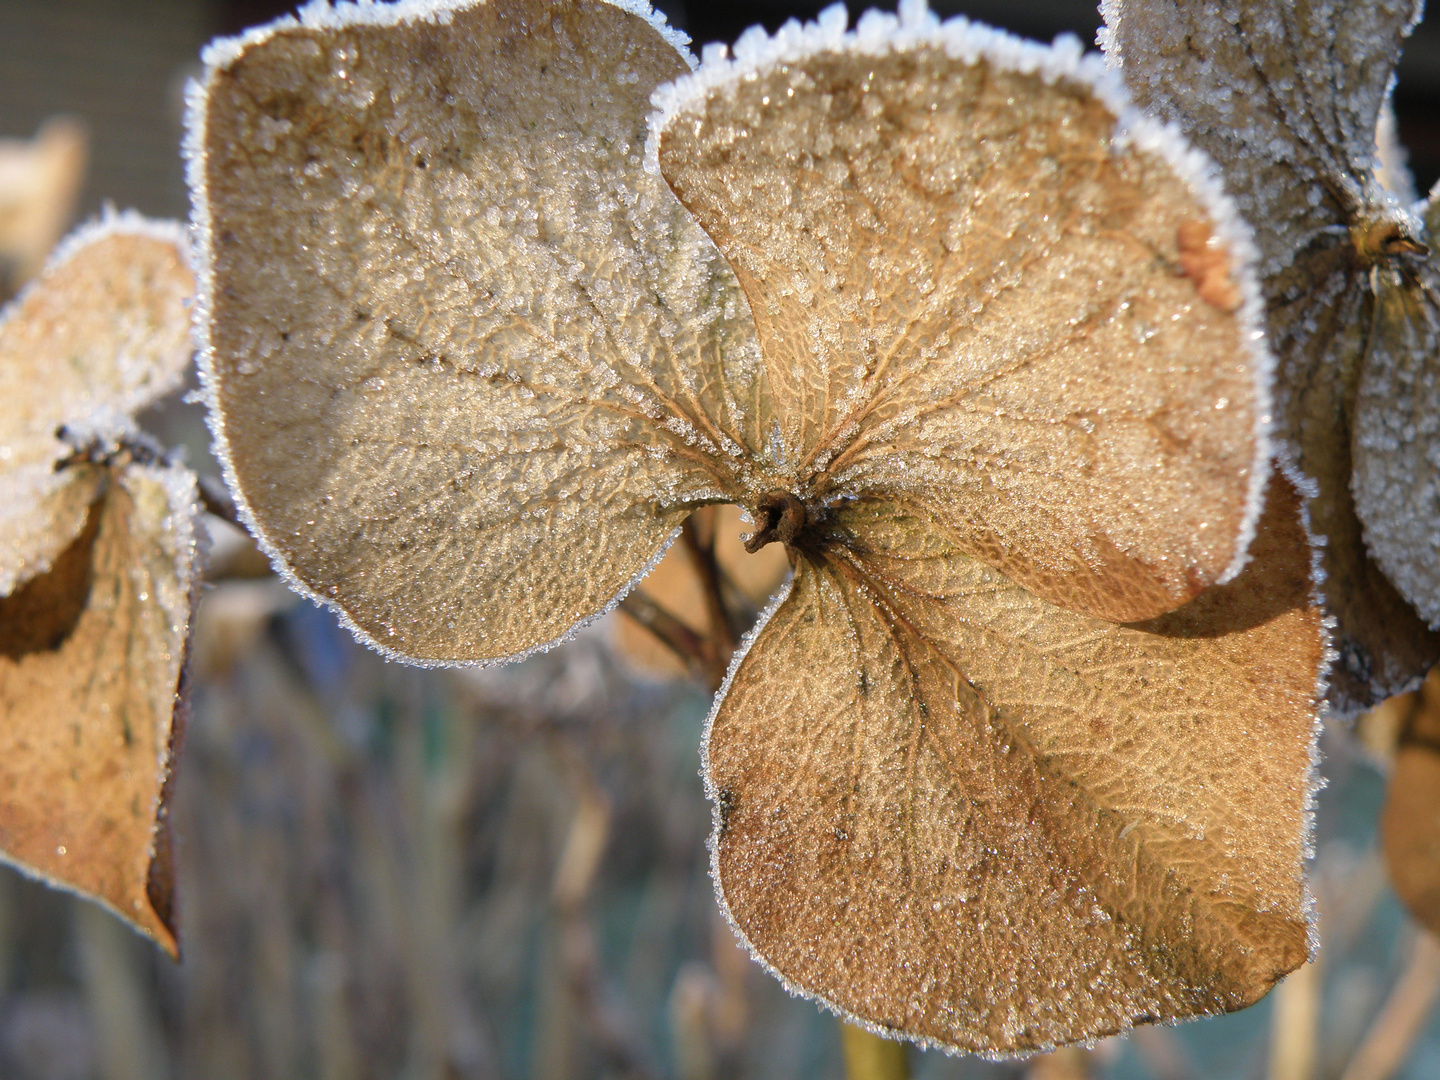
[
  {"x": 722, "y": 642},
  {"x": 215, "y": 498},
  {"x": 685, "y": 643}
]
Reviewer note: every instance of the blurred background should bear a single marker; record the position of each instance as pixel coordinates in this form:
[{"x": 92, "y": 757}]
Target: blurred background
[{"x": 388, "y": 872}]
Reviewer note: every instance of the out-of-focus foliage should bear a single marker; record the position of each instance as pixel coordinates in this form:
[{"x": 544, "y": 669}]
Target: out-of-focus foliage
[{"x": 39, "y": 183}]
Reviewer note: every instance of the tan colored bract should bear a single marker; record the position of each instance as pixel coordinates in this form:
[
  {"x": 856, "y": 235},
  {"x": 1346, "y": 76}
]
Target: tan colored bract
[
  {"x": 1351, "y": 294},
  {"x": 99, "y": 554},
  {"x": 471, "y": 364}
]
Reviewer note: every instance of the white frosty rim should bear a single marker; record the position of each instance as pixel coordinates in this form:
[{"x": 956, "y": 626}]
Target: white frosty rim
[
  {"x": 218, "y": 56},
  {"x": 1306, "y": 489},
  {"x": 916, "y": 27},
  {"x": 324, "y": 15}
]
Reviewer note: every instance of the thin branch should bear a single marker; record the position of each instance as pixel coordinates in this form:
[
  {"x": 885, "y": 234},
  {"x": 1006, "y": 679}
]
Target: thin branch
[
  {"x": 724, "y": 638},
  {"x": 685, "y": 643},
  {"x": 215, "y": 498}
]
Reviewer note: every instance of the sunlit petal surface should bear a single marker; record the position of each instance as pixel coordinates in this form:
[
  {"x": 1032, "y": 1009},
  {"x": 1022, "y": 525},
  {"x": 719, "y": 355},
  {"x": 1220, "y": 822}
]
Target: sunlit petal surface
[
  {"x": 1000, "y": 825},
  {"x": 1286, "y": 98},
  {"x": 471, "y": 365}
]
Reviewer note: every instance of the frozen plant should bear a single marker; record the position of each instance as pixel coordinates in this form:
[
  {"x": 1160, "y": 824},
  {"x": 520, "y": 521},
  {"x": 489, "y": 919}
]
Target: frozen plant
[{"x": 1023, "y": 753}]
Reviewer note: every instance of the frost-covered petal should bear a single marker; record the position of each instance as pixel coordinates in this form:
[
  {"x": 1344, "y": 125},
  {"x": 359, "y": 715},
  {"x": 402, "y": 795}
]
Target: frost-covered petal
[
  {"x": 979, "y": 281},
  {"x": 470, "y": 365},
  {"x": 1287, "y": 97},
  {"x": 103, "y": 332},
  {"x": 1396, "y": 431},
  {"x": 954, "y": 811},
  {"x": 91, "y": 653}
]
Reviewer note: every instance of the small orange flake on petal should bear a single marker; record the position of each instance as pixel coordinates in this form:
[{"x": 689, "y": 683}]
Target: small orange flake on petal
[{"x": 1207, "y": 264}]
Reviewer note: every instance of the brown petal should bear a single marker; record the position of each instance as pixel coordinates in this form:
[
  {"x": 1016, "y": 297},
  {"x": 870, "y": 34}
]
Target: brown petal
[
  {"x": 104, "y": 331},
  {"x": 990, "y": 823},
  {"x": 465, "y": 354},
  {"x": 91, "y": 654},
  {"x": 1291, "y": 120},
  {"x": 1396, "y": 432},
  {"x": 968, "y": 290}
]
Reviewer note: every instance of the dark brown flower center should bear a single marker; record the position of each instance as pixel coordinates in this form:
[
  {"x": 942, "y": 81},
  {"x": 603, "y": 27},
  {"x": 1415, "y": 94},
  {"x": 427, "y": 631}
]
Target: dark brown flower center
[
  {"x": 780, "y": 516},
  {"x": 1383, "y": 238}
]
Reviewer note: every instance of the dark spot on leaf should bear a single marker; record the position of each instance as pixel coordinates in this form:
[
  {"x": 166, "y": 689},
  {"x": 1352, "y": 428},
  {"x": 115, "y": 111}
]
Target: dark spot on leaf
[
  {"x": 726, "y": 800},
  {"x": 1356, "y": 660}
]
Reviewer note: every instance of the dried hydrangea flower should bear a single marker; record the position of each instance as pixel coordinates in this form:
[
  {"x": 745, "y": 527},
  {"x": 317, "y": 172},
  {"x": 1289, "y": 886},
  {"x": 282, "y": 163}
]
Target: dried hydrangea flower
[
  {"x": 97, "y": 568},
  {"x": 1023, "y": 754},
  {"x": 1286, "y": 99}
]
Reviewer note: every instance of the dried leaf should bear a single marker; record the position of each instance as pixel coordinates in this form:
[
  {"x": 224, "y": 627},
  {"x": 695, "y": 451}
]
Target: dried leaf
[
  {"x": 103, "y": 333},
  {"x": 965, "y": 294},
  {"x": 90, "y": 658},
  {"x": 1286, "y": 98},
  {"x": 472, "y": 365},
  {"x": 95, "y": 612},
  {"x": 999, "y": 825},
  {"x": 1397, "y": 428},
  {"x": 510, "y": 334},
  {"x": 39, "y": 183},
  {"x": 1410, "y": 822}
]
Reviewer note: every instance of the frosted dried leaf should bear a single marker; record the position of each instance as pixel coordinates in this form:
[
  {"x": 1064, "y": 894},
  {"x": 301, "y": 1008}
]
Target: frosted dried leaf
[
  {"x": 968, "y": 295},
  {"x": 39, "y": 183},
  {"x": 101, "y": 550},
  {"x": 1396, "y": 442},
  {"x": 1287, "y": 98},
  {"x": 472, "y": 365},
  {"x": 917, "y": 836},
  {"x": 91, "y": 654},
  {"x": 103, "y": 333},
  {"x": 511, "y": 334}
]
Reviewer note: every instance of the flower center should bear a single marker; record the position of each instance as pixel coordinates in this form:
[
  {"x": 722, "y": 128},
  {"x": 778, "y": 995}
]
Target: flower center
[
  {"x": 1382, "y": 238},
  {"x": 780, "y": 516}
]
